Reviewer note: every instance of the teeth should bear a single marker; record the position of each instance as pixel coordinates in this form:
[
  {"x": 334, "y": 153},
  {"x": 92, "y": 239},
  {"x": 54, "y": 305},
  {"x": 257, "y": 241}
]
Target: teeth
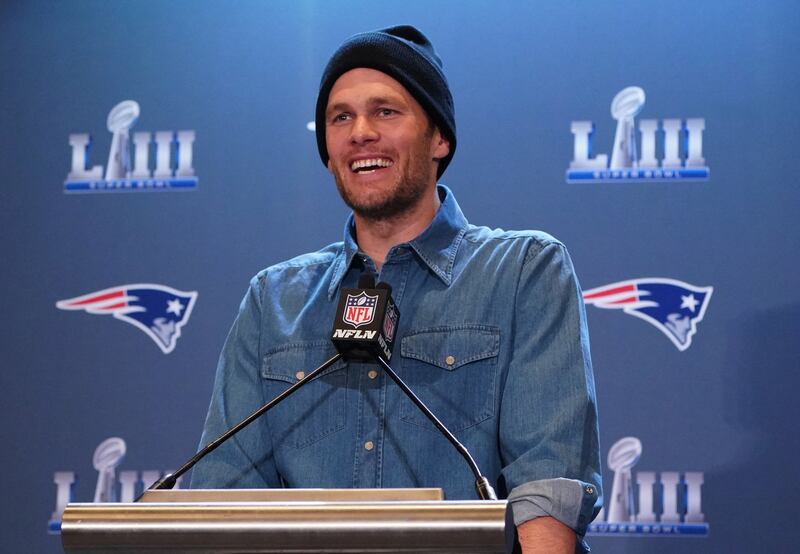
[{"x": 371, "y": 163}]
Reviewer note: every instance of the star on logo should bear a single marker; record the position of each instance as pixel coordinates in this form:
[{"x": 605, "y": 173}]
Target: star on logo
[
  {"x": 689, "y": 302},
  {"x": 174, "y": 306}
]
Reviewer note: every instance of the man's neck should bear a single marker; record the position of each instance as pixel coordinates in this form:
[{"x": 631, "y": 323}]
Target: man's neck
[{"x": 376, "y": 237}]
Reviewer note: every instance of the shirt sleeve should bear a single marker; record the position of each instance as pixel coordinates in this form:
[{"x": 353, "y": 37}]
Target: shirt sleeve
[
  {"x": 245, "y": 460},
  {"x": 548, "y": 414}
]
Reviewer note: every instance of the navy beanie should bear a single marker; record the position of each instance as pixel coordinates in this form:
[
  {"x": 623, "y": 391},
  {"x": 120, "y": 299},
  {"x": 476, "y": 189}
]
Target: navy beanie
[{"x": 406, "y": 55}]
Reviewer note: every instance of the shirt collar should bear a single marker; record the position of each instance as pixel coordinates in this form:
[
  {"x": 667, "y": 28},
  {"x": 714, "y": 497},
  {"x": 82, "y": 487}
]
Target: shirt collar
[{"x": 436, "y": 246}]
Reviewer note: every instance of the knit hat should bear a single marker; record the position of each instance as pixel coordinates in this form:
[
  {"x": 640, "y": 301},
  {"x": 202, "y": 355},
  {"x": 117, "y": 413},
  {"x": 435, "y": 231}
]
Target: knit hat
[{"x": 406, "y": 55}]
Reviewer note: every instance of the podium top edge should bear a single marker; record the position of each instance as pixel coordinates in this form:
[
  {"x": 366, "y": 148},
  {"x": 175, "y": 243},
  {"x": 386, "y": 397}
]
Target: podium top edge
[{"x": 293, "y": 495}]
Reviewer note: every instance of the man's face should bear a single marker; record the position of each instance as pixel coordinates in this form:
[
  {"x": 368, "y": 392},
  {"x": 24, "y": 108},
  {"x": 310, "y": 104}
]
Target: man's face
[{"x": 381, "y": 144}]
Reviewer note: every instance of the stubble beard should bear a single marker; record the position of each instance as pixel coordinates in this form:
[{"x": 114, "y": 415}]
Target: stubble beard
[{"x": 408, "y": 190}]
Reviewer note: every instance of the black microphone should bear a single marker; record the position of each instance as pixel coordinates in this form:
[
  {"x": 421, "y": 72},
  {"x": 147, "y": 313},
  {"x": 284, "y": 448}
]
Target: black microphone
[
  {"x": 365, "y": 322},
  {"x": 364, "y": 330}
]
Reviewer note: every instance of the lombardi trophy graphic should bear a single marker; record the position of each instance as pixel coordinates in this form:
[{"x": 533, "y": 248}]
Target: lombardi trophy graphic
[
  {"x": 120, "y": 120},
  {"x": 622, "y": 456},
  {"x": 107, "y": 457},
  {"x": 624, "y": 108}
]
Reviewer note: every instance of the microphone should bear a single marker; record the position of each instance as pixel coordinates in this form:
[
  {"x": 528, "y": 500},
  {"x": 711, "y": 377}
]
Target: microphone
[
  {"x": 365, "y": 322},
  {"x": 364, "y": 330}
]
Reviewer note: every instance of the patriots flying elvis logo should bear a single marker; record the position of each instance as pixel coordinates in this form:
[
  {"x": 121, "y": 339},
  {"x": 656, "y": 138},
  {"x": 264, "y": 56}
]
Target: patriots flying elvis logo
[
  {"x": 157, "y": 310},
  {"x": 673, "y": 307}
]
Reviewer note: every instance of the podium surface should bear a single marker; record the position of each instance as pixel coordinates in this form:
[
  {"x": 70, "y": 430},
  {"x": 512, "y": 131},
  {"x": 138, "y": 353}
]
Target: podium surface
[{"x": 287, "y": 520}]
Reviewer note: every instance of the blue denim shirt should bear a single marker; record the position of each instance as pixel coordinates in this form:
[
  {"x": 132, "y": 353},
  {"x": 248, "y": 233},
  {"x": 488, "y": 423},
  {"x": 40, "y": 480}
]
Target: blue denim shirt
[{"x": 492, "y": 336}]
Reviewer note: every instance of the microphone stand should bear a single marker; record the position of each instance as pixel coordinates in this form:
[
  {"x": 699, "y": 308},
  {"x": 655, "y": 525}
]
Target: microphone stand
[
  {"x": 482, "y": 486},
  {"x": 169, "y": 480}
]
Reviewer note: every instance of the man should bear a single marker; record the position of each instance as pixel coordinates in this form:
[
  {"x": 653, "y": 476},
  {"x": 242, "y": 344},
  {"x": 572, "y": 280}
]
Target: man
[{"x": 492, "y": 334}]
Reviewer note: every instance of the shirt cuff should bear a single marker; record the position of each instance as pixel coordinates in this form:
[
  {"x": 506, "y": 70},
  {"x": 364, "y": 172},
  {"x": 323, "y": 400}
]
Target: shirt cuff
[{"x": 570, "y": 501}]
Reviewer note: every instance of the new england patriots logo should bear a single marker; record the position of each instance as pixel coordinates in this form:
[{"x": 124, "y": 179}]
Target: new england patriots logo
[
  {"x": 157, "y": 310},
  {"x": 673, "y": 307}
]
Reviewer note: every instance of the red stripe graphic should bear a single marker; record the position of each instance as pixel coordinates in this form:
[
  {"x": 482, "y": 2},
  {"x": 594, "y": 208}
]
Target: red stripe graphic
[
  {"x": 609, "y": 292},
  {"x": 99, "y": 298}
]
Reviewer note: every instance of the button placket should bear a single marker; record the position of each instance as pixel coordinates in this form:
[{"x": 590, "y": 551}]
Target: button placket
[{"x": 368, "y": 446}]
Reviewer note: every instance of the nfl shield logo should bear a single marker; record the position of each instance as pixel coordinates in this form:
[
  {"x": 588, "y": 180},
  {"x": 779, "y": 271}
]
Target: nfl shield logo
[{"x": 360, "y": 309}]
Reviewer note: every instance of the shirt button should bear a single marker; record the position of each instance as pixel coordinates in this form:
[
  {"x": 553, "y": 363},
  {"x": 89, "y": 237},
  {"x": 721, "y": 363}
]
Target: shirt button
[
  {"x": 589, "y": 490},
  {"x": 372, "y": 374},
  {"x": 369, "y": 445},
  {"x": 450, "y": 360},
  {"x": 300, "y": 375}
]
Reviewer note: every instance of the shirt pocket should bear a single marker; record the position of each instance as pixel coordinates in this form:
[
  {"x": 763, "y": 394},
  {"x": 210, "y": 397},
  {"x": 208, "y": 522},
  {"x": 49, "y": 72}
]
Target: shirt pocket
[
  {"x": 315, "y": 410},
  {"x": 453, "y": 371}
]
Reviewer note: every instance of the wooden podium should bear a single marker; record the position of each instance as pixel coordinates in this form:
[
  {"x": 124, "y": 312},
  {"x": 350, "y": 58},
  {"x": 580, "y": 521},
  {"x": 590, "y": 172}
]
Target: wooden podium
[{"x": 287, "y": 520}]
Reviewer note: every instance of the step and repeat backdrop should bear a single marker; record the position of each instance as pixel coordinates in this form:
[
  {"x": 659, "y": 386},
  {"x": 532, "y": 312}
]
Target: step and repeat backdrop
[{"x": 155, "y": 155}]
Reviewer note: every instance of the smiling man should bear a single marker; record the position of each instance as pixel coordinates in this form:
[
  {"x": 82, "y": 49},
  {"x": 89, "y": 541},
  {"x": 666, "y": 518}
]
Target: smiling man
[
  {"x": 383, "y": 151},
  {"x": 492, "y": 337}
]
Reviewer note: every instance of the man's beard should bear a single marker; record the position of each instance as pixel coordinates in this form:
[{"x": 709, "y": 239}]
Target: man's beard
[{"x": 407, "y": 191}]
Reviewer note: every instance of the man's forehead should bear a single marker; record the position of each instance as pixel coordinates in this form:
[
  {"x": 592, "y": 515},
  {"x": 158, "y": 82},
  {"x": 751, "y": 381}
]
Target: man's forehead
[{"x": 371, "y": 82}]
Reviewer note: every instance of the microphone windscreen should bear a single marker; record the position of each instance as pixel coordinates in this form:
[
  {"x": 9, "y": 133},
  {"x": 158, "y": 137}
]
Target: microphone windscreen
[{"x": 366, "y": 280}]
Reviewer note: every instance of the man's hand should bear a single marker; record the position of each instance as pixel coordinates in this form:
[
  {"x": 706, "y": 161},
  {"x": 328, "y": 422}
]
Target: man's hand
[{"x": 546, "y": 535}]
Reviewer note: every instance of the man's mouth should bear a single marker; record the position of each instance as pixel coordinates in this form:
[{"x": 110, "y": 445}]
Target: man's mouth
[{"x": 370, "y": 165}]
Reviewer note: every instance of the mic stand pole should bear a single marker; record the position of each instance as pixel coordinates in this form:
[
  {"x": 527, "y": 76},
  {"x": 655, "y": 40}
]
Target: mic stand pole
[
  {"x": 169, "y": 480},
  {"x": 485, "y": 490}
]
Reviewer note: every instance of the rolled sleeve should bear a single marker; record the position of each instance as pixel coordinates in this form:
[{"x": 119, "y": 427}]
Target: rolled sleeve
[{"x": 570, "y": 501}]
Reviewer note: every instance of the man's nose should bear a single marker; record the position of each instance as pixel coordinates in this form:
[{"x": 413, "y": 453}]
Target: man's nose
[{"x": 363, "y": 131}]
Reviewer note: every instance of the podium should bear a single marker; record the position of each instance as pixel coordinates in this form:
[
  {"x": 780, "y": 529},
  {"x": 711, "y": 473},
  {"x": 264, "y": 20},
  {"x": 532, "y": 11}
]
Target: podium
[{"x": 287, "y": 520}]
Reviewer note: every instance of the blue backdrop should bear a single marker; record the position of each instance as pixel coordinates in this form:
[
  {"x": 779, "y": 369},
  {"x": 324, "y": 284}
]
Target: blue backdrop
[{"x": 243, "y": 77}]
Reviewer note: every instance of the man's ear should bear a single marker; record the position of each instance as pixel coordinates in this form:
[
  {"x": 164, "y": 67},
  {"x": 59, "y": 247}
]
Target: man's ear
[
  {"x": 442, "y": 146},
  {"x": 329, "y": 166}
]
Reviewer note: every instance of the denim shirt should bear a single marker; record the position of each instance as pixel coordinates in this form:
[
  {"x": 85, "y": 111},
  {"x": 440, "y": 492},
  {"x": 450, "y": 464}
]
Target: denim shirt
[{"x": 492, "y": 337}]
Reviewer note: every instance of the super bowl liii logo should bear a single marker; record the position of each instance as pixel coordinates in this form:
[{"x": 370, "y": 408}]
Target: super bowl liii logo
[
  {"x": 173, "y": 158},
  {"x": 681, "y": 141},
  {"x": 669, "y": 503},
  {"x": 110, "y": 488}
]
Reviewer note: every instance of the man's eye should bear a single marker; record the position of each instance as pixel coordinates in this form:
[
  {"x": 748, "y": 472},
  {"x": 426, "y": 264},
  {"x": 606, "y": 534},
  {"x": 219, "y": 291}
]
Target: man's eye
[
  {"x": 385, "y": 112},
  {"x": 340, "y": 117}
]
